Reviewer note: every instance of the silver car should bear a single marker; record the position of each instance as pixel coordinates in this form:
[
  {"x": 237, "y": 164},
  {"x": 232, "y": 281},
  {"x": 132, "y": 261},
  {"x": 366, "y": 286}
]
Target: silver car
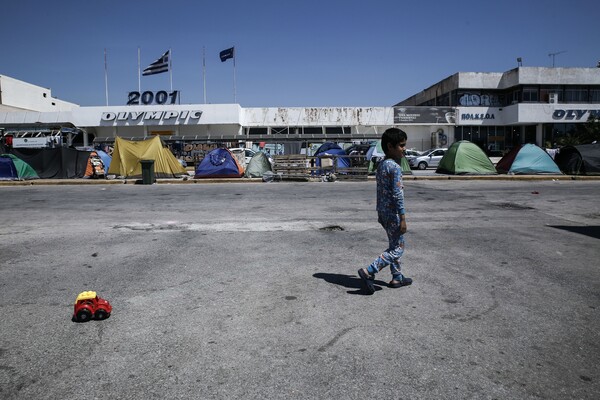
[{"x": 429, "y": 158}]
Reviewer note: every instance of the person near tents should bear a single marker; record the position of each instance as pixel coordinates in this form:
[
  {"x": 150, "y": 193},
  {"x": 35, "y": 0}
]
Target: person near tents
[{"x": 390, "y": 211}]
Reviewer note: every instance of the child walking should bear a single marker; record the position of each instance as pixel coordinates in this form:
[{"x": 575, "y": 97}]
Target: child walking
[{"x": 390, "y": 211}]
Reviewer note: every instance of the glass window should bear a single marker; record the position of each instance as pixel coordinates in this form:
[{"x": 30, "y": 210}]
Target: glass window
[
  {"x": 530, "y": 94},
  {"x": 576, "y": 94},
  {"x": 595, "y": 95}
]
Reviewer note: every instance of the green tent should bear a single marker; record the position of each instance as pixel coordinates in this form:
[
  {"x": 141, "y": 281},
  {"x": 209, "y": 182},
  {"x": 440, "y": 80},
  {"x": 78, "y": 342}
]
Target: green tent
[
  {"x": 258, "y": 165},
  {"x": 465, "y": 158},
  {"x": 23, "y": 170}
]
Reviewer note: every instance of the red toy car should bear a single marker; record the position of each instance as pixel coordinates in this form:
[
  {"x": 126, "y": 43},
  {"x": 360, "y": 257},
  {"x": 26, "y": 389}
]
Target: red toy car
[{"x": 88, "y": 305}]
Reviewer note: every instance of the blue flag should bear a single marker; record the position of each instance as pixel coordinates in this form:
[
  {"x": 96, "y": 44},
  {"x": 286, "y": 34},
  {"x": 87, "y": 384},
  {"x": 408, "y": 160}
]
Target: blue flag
[
  {"x": 227, "y": 54},
  {"x": 159, "y": 66}
]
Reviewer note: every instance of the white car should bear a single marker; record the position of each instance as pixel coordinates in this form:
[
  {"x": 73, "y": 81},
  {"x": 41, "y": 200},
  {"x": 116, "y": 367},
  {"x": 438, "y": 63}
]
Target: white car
[
  {"x": 429, "y": 158},
  {"x": 248, "y": 153}
]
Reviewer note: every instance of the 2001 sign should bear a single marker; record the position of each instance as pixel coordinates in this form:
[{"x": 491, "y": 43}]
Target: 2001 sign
[{"x": 148, "y": 97}]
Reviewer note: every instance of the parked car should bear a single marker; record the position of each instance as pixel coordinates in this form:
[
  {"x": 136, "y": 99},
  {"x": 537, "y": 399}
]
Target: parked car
[
  {"x": 429, "y": 158},
  {"x": 411, "y": 153}
]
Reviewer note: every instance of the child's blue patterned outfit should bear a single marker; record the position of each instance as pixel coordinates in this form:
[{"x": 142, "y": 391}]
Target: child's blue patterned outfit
[{"x": 390, "y": 206}]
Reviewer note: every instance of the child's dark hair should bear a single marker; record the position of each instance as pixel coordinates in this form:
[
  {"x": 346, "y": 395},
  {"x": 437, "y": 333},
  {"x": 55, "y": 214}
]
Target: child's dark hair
[{"x": 392, "y": 136}]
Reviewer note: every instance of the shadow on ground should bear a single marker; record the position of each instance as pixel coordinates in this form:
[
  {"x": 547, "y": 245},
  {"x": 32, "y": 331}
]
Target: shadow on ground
[
  {"x": 348, "y": 281},
  {"x": 592, "y": 231}
]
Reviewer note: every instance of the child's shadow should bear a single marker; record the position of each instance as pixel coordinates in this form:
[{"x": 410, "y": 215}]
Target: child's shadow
[{"x": 349, "y": 281}]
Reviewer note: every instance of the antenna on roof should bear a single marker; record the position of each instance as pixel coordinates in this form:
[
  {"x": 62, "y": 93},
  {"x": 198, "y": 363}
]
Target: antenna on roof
[{"x": 553, "y": 55}]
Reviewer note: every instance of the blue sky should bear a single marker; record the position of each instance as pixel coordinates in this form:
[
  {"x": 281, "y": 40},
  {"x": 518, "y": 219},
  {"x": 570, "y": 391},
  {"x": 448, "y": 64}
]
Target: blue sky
[{"x": 297, "y": 53}]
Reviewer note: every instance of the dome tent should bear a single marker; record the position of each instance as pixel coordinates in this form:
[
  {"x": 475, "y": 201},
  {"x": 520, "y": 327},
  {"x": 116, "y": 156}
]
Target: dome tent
[
  {"x": 258, "y": 165},
  {"x": 13, "y": 168},
  {"x": 527, "y": 159},
  {"x": 583, "y": 159},
  {"x": 219, "y": 163},
  {"x": 465, "y": 158}
]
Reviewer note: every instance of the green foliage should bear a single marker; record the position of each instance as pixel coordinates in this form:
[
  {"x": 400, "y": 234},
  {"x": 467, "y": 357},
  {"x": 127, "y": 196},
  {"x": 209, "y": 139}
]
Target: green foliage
[{"x": 586, "y": 133}]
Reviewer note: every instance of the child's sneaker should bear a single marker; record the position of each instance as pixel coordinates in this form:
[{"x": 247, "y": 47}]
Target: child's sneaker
[
  {"x": 394, "y": 283},
  {"x": 367, "y": 280}
]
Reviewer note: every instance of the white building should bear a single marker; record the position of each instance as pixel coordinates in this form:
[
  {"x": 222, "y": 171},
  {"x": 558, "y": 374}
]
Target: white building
[
  {"x": 495, "y": 110},
  {"x": 523, "y": 105}
]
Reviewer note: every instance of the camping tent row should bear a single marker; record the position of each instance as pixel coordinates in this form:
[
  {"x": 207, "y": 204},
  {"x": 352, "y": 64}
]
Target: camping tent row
[
  {"x": 222, "y": 163},
  {"x": 57, "y": 163},
  {"x": 464, "y": 158}
]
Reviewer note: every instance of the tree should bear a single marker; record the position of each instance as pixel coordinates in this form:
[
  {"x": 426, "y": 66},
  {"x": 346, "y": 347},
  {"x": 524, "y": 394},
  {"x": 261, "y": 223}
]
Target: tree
[{"x": 590, "y": 131}]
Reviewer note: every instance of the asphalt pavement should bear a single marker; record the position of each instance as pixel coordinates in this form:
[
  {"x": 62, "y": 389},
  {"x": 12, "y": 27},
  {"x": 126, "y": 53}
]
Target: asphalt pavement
[{"x": 250, "y": 291}]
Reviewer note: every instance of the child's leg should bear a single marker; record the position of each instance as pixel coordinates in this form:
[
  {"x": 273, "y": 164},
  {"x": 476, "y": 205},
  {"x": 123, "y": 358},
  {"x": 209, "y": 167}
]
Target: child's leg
[
  {"x": 395, "y": 267},
  {"x": 395, "y": 249}
]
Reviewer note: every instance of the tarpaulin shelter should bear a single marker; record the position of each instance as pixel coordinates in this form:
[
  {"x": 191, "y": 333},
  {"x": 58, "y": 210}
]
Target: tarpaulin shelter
[
  {"x": 465, "y": 158},
  {"x": 57, "y": 163},
  {"x": 527, "y": 159},
  {"x": 106, "y": 159},
  {"x": 376, "y": 154},
  {"x": 375, "y": 151},
  {"x": 13, "y": 168},
  {"x": 127, "y": 157},
  {"x": 219, "y": 163},
  {"x": 258, "y": 165},
  {"x": 583, "y": 159}
]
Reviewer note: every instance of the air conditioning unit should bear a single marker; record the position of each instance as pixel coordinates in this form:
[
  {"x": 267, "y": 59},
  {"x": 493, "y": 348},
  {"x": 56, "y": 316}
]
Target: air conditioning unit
[{"x": 553, "y": 98}]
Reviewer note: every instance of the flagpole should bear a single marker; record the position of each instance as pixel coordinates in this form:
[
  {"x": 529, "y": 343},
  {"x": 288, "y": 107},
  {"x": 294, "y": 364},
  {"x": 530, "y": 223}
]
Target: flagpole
[
  {"x": 204, "y": 71},
  {"x": 139, "y": 71},
  {"x": 105, "y": 76},
  {"x": 171, "y": 69},
  {"x": 234, "y": 94}
]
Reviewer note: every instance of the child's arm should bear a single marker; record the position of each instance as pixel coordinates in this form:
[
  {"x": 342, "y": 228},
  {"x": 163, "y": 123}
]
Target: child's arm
[{"x": 398, "y": 193}]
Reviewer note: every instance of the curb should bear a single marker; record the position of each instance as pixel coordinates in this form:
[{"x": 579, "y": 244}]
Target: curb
[{"x": 38, "y": 182}]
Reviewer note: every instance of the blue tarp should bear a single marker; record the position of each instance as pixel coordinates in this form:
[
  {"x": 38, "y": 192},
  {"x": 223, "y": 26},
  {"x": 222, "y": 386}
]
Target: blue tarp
[
  {"x": 106, "y": 159},
  {"x": 219, "y": 163},
  {"x": 342, "y": 160}
]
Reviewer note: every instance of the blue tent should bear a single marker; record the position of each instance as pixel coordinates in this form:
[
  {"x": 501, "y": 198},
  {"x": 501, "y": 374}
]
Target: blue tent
[
  {"x": 527, "y": 160},
  {"x": 13, "y": 168},
  {"x": 219, "y": 163},
  {"x": 7, "y": 169},
  {"x": 327, "y": 146},
  {"x": 343, "y": 161}
]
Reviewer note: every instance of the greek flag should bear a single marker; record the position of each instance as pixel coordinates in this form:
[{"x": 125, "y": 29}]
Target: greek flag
[
  {"x": 159, "y": 66},
  {"x": 227, "y": 54}
]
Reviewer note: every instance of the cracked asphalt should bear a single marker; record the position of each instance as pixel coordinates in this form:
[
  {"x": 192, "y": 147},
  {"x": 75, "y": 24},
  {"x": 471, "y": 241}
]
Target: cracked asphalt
[{"x": 250, "y": 291}]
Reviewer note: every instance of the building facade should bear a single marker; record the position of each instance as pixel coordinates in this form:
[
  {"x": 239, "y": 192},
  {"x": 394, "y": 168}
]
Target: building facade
[
  {"x": 495, "y": 110},
  {"x": 523, "y": 105}
]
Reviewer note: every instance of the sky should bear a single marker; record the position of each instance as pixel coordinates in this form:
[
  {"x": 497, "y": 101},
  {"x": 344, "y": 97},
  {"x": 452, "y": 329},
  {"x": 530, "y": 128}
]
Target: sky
[{"x": 308, "y": 53}]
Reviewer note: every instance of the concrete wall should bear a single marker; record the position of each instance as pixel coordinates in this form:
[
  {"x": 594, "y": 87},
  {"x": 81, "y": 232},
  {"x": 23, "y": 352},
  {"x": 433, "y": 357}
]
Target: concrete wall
[{"x": 318, "y": 116}]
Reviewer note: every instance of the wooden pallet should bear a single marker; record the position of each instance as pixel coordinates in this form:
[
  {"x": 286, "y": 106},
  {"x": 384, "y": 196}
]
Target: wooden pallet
[{"x": 293, "y": 166}]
